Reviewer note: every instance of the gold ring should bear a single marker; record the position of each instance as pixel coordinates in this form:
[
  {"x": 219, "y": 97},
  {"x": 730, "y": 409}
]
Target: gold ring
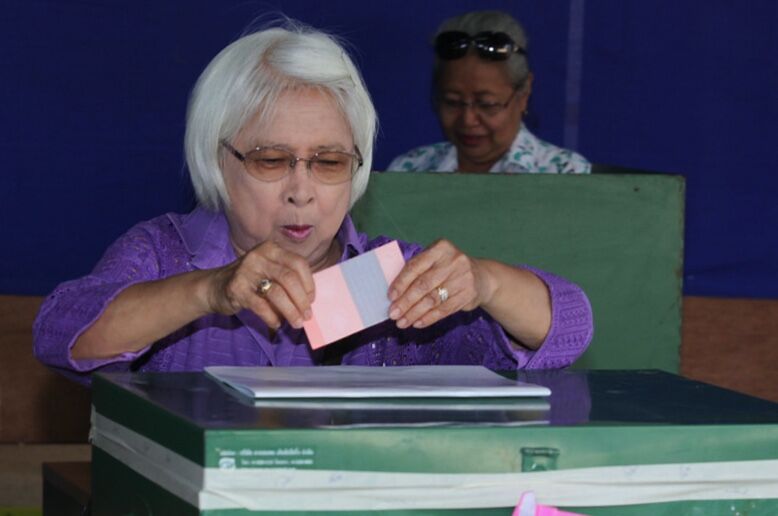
[
  {"x": 264, "y": 286},
  {"x": 442, "y": 294}
]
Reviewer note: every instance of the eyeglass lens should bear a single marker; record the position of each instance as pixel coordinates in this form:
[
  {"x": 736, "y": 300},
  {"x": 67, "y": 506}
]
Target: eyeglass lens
[
  {"x": 481, "y": 107},
  {"x": 330, "y": 167}
]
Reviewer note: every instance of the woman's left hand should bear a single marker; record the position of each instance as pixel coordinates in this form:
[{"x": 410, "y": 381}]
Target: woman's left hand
[{"x": 435, "y": 283}]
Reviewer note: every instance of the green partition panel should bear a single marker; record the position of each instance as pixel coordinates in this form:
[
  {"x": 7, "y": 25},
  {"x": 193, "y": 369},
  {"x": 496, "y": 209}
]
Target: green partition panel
[{"x": 619, "y": 236}]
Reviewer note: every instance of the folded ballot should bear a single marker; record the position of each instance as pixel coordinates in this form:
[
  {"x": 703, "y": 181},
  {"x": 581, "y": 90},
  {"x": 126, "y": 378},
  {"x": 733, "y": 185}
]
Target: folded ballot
[{"x": 352, "y": 295}]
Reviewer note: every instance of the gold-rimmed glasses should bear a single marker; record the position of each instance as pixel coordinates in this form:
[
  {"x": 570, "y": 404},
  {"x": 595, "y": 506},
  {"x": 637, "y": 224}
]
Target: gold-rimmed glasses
[{"x": 271, "y": 164}]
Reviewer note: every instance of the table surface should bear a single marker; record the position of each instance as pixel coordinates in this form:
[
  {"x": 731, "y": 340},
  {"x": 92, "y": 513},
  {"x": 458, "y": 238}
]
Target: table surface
[{"x": 579, "y": 397}]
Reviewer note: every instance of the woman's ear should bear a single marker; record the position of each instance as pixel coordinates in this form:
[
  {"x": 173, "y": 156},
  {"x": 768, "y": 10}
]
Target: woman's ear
[
  {"x": 528, "y": 117},
  {"x": 526, "y": 91}
]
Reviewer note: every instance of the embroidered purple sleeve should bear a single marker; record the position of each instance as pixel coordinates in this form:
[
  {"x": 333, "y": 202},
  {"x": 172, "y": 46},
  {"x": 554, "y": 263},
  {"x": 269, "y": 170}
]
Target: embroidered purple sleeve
[
  {"x": 74, "y": 305},
  {"x": 475, "y": 338}
]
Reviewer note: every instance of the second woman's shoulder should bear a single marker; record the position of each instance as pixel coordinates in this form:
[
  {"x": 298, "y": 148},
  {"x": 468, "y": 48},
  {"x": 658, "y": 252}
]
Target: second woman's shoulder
[
  {"x": 536, "y": 155},
  {"x": 427, "y": 158}
]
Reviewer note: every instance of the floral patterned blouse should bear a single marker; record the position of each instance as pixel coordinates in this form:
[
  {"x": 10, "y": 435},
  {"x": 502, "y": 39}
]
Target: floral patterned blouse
[{"x": 528, "y": 155}]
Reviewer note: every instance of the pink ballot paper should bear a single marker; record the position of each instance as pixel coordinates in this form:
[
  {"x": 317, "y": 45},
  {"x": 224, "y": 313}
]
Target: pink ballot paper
[{"x": 352, "y": 295}]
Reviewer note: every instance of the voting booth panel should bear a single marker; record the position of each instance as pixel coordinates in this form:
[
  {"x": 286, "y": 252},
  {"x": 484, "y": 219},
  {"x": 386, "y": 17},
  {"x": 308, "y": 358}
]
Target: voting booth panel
[
  {"x": 619, "y": 236},
  {"x": 630, "y": 443}
]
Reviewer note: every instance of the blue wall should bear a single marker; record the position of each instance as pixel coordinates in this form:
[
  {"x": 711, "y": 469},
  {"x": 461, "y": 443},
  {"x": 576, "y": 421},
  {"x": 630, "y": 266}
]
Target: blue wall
[{"x": 93, "y": 98}]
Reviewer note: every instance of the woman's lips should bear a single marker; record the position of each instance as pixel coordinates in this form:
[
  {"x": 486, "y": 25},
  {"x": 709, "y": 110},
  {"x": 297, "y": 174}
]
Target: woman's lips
[
  {"x": 471, "y": 140},
  {"x": 296, "y": 233}
]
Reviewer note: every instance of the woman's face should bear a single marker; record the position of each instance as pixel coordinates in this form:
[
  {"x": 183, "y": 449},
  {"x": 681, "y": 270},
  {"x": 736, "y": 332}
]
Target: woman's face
[
  {"x": 297, "y": 212},
  {"x": 480, "y": 139}
]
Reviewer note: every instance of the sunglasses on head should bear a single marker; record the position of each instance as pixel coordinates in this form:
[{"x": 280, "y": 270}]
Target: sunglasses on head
[{"x": 495, "y": 46}]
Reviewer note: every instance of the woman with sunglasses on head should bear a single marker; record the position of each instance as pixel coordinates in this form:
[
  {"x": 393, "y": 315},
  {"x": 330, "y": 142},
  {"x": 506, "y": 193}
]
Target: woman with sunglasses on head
[
  {"x": 482, "y": 84},
  {"x": 279, "y": 143}
]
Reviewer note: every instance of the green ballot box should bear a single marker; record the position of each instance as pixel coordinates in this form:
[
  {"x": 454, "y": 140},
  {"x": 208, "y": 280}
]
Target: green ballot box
[{"x": 603, "y": 443}]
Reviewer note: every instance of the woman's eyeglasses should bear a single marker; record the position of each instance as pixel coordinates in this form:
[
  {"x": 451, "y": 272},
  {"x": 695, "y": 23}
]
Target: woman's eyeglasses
[
  {"x": 272, "y": 164},
  {"x": 494, "y": 46},
  {"x": 481, "y": 107}
]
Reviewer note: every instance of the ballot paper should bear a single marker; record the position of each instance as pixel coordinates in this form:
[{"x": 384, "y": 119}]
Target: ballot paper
[
  {"x": 352, "y": 295},
  {"x": 372, "y": 382}
]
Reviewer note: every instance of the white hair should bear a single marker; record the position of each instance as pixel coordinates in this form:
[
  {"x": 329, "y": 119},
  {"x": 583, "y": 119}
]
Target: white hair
[{"x": 247, "y": 77}]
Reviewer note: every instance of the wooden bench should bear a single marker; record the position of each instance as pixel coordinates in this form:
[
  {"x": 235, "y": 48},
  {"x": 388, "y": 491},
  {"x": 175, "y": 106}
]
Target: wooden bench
[
  {"x": 732, "y": 343},
  {"x": 67, "y": 488},
  {"x": 43, "y": 416}
]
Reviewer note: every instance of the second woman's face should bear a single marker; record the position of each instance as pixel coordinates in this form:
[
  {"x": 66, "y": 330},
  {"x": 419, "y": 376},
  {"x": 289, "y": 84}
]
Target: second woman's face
[
  {"x": 480, "y": 139},
  {"x": 296, "y": 212}
]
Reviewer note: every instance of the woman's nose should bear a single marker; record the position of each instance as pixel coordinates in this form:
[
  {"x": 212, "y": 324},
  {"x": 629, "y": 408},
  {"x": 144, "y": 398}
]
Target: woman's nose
[
  {"x": 300, "y": 187},
  {"x": 469, "y": 115}
]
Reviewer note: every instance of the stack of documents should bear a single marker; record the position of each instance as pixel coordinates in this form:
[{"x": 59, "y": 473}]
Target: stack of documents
[
  {"x": 359, "y": 396},
  {"x": 373, "y": 382}
]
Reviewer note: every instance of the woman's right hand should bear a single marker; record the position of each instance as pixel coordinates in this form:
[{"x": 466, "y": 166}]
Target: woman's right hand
[{"x": 235, "y": 287}]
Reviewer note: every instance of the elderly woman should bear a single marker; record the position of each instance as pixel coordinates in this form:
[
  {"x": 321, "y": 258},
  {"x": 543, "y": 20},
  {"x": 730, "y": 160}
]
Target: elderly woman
[
  {"x": 482, "y": 84},
  {"x": 279, "y": 144}
]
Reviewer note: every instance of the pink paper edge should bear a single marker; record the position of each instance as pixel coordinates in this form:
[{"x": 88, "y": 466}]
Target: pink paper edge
[{"x": 312, "y": 330}]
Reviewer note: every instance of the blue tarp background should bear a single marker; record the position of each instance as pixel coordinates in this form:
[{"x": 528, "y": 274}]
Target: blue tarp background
[{"x": 93, "y": 96}]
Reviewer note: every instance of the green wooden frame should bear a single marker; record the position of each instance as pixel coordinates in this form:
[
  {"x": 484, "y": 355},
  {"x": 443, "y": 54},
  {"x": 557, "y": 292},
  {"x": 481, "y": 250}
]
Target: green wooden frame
[{"x": 619, "y": 236}]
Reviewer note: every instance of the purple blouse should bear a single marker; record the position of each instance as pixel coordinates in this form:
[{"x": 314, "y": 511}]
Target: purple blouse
[{"x": 174, "y": 244}]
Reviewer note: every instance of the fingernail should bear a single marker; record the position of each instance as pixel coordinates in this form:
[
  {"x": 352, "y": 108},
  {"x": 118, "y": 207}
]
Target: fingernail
[
  {"x": 402, "y": 323},
  {"x": 298, "y": 323},
  {"x": 395, "y": 313},
  {"x": 418, "y": 324}
]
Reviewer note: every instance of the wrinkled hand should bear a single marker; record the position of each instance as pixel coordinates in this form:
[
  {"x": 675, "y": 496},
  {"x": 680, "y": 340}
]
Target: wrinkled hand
[
  {"x": 414, "y": 293},
  {"x": 235, "y": 287}
]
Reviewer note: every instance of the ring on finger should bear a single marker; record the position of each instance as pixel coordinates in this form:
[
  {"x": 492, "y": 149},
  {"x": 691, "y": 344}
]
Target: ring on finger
[
  {"x": 264, "y": 286},
  {"x": 442, "y": 294}
]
